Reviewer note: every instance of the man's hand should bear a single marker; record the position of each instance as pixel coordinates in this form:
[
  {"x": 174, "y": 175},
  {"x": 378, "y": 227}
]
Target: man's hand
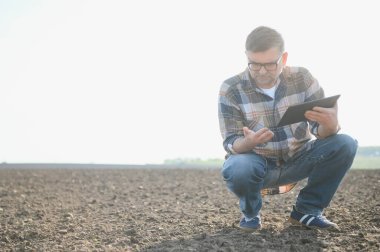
[
  {"x": 251, "y": 139},
  {"x": 327, "y": 119},
  {"x": 259, "y": 137}
]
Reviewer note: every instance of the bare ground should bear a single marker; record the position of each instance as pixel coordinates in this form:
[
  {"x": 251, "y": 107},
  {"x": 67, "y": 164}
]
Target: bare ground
[{"x": 169, "y": 210}]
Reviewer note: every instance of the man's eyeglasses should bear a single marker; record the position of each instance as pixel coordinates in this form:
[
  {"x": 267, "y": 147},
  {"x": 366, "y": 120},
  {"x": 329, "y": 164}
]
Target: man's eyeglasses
[{"x": 271, "y": 66}]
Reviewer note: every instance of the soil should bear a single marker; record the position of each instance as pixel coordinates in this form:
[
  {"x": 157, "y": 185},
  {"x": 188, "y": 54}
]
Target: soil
[{"x": 170, "y": 210}]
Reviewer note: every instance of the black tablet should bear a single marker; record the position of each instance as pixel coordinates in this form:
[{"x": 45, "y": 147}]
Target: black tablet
[{"x": 296, "y": 113}]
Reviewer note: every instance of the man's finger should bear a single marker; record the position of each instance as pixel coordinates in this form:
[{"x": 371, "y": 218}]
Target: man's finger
[
  {"x": 319, "y": 109},
  {"x": 313, "y": 115},
  {"x": 246, "y": 131},
  {"x": 262, "y": 131},
  {"x": 323, "y": 110},
  {"x": 266, "y": 136}
]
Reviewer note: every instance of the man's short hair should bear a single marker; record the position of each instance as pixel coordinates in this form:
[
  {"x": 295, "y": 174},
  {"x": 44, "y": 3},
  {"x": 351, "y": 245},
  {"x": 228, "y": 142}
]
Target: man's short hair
[{"x": 263, "y": 38}]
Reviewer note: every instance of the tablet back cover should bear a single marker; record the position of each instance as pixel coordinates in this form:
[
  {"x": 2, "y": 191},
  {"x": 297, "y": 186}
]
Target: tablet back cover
[{"x": 296, "y": 113}]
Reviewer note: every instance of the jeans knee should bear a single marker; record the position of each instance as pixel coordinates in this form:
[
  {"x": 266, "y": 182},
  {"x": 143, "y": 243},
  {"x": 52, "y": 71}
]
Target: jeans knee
[
  {"x": 347, "y": 144},
  {"x": 240, "y": 172}
]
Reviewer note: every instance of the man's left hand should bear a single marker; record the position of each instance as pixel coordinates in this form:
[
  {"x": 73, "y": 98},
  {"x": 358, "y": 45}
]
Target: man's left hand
[{"x": 327, "y": 118}]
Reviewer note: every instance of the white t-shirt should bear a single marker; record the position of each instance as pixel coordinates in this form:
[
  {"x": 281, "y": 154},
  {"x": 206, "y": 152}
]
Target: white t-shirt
[{"x": 270, "y": 91}]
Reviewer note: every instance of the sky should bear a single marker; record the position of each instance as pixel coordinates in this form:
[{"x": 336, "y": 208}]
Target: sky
[{"x": 137, "y": 81}]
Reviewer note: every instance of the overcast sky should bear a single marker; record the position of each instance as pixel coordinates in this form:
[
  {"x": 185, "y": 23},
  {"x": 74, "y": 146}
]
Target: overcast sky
[{"x": 137, "y": 81}]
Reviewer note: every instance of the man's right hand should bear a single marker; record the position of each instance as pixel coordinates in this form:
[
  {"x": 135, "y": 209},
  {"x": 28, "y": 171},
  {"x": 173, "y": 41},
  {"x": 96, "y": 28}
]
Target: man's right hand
[
  {"x": 259, "y": 137},
  {"x": 252, "y": 139}
]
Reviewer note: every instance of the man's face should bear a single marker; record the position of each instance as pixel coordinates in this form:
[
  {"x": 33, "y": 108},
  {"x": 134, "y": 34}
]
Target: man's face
[{"x": 265, "y": 67}]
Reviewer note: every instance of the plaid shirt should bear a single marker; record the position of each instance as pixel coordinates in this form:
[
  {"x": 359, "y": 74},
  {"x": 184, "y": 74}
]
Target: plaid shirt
[{"x": 243, "y": 103}]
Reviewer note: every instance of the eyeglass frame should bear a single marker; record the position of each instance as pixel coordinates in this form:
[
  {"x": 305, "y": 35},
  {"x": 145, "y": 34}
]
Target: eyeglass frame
[{"x": 264, "y": 65}]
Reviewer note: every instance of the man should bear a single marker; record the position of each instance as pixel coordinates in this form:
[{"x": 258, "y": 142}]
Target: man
[{"x": 262, "y": 156}]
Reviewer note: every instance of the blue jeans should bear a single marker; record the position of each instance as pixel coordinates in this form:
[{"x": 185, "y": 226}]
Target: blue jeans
[{"x": 324, "y": 164}]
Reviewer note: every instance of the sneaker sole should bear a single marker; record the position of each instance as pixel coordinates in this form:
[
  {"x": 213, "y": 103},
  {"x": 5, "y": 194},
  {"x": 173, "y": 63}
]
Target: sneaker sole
[
  {"x": 249, "y": 230},
  {"x": 297, "y": 223}
]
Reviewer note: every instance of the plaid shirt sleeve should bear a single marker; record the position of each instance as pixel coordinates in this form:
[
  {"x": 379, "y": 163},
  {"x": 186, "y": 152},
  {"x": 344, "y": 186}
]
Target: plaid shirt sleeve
[{"x": 231, "y": 121}]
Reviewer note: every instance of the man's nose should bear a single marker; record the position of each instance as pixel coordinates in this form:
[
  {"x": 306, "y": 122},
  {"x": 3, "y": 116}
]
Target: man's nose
[{"x": 262, "y": 70}]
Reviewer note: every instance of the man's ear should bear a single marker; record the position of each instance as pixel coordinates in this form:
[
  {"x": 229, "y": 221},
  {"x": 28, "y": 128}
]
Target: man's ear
[{"x": 284, "y": 58}]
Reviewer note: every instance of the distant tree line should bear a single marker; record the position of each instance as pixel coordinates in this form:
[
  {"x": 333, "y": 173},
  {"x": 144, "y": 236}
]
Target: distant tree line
[
  {"x": 194, "y": 161},
  {"x": 367, "y": 151}
]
